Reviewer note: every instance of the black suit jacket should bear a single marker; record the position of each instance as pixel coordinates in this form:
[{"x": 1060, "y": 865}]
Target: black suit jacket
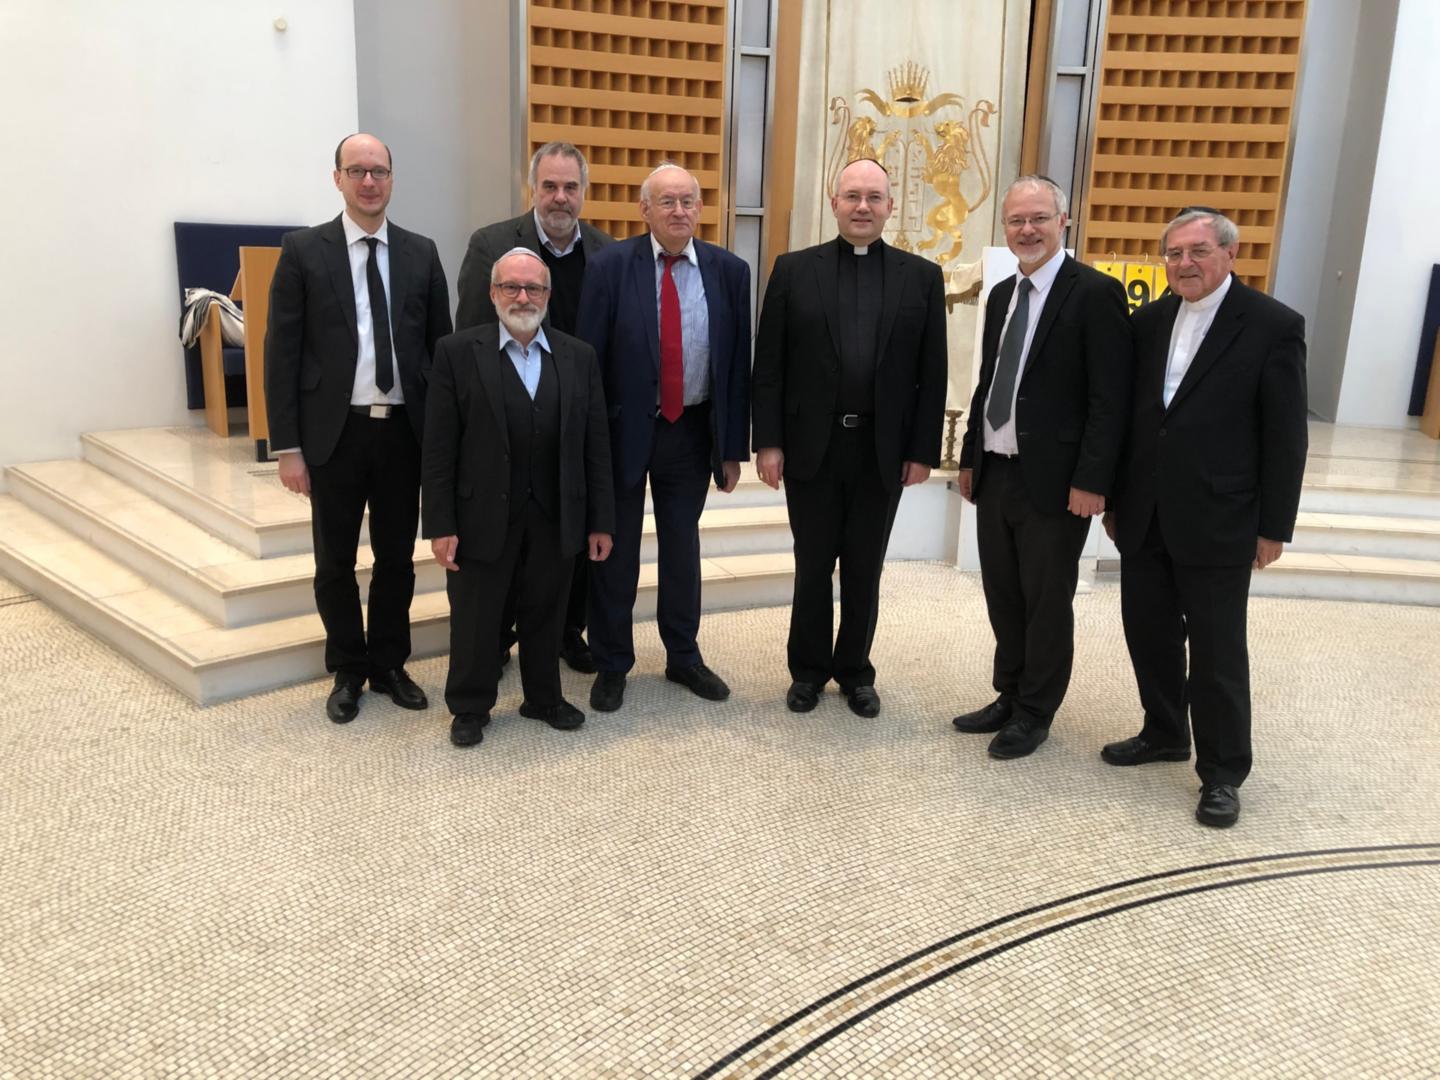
[
  {"x": 490, "y": 242},
  {"x": 311, "y": 342},
  {"x": 465, "y": 471},
  {"x": 796, "y": 380},
  {"x": 1074, "y": 394},
  {"x": 1224, "y": 463}
]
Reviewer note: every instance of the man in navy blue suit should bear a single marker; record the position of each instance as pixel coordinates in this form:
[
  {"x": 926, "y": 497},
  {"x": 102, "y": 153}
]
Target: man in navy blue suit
[{"x": 669, "y": 318}]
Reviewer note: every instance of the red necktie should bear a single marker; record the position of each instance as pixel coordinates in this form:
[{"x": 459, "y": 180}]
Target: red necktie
[{"x": 672, "y": 351}]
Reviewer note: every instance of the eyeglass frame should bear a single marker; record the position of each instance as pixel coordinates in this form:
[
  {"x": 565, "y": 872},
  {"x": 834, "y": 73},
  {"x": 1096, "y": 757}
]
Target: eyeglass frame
[
  {"x": 380, "y": 173},
  {"x": 511, "y": 290}
]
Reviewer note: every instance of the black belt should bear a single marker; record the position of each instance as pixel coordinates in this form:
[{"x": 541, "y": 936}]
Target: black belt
[
  {"x": 696, "y": 409},
  {"x": 377, "y": 412},
  {"x": 852, "y": 419},
  {"x": 1004, "y": 457}
]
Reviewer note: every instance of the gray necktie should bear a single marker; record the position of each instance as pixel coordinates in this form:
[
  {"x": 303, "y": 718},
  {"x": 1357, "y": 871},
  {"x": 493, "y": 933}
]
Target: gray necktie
[{"x": 1002, "y": 390}]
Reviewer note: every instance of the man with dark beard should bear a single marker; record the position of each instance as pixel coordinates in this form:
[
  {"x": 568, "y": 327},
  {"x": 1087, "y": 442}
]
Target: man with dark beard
[{"x": 515, "y": 474}]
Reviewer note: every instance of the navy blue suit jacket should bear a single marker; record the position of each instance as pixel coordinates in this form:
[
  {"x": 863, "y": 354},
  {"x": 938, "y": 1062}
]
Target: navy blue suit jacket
[{"x": 619, "y": 316}]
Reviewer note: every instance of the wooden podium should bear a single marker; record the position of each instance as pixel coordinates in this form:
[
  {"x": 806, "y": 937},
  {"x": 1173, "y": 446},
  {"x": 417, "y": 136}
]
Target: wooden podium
[
  {"x": 252, "y": 288},
  {"x": 1430, "y": 418}
]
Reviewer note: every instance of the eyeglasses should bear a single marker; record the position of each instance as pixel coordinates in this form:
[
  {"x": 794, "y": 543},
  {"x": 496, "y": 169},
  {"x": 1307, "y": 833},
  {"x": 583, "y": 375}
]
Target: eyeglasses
[
  {"x": 874, "y": 198},
  {"x": 669, "y": 202},
  {"x": 511, "y": 289},
  {"x": 357, "y": 172},
  {"x": 1035, "y": 221},
  {"x": 1198, "y": 253}
]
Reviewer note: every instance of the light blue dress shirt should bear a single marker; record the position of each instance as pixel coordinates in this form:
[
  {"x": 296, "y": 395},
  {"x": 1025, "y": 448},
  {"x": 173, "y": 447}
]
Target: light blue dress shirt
[{"x": 526, "y": 359}]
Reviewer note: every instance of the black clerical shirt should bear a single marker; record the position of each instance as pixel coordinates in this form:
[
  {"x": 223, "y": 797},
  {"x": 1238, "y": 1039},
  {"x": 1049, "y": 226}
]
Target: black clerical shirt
[{"x": 861, "y": 281}]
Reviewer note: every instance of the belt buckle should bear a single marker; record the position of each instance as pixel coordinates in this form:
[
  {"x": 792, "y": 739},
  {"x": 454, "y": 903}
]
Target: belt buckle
[
  {"x": 379, "y": 412},
  {"x": 850, "y": 420}
]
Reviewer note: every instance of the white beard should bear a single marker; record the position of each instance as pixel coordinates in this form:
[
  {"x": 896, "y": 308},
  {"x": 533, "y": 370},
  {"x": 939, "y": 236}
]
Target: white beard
[{"x": 522, "y": 322}]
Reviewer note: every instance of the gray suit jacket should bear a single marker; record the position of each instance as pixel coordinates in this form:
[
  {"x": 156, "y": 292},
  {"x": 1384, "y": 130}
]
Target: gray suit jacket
[{"x": 490, "y": 242}]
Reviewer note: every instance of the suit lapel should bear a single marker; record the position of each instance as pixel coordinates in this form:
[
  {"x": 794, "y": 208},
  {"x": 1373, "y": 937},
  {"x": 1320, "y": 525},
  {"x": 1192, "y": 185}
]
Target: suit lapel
[
  {"x": 526, "y": 235},
  {"x": 1059, "y": 290},
  {"x": 337, "y": 261},
  {"x": 488, "y": 359},
  {"x": 1228, "y": 321},
  {"x": 890, "y": 304},
  {"x": 643, "y": 270},
  {"x": 827, "y": 280},
  {"x": 401, "y": 262},
  {"x": 714, "y": 294},
  {"x": 1159, "y": 358},
  {"x": 560, "y": 359}
]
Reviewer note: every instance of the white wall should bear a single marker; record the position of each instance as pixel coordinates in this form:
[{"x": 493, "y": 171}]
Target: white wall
[
  {"x": 1402, "y": 232},
  {"x": 120, "y": 119},
  {"x": 435, "y": 84}
]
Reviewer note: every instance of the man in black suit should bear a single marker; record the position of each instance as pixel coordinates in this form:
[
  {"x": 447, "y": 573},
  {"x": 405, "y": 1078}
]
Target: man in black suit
[
  {"x": 1039, "y": 456},
  {"x": 559, "y": 178},
  {"x": 848, "y": 400},
  {"x": 516, "y": 473},
  {"x": 1208, "y": 490},
  {"x": 356, "y": 307},
  {"x": 669, "y": 317}
]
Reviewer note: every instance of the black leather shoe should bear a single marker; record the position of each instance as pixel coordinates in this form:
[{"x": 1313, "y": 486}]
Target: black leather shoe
[
  {"x": 1018, "y": 738},
  {"x": 1219, "y": 806},
  {"x": 699, "y": 680},
  {"x": 802, "y": 696},
  {"x": 863, "y": 700},
  {"x": 1141, "y": 751},
  {"x": 401, "y": 688},
  {"x": 562, "y": 716},
  {"x": 984, "y": 721},
  {"x": 468, "y": 728},
  {"x": 343, "y": 704},
  {"x": 608, "y": 691},
  {"x": 576, "y": 653}
]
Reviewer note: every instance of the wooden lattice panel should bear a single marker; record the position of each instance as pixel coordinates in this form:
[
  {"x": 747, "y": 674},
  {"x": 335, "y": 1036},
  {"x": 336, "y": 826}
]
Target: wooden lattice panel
[
  {"x": 1194, "y": 109},
  {"x": 632, "y": 83}
]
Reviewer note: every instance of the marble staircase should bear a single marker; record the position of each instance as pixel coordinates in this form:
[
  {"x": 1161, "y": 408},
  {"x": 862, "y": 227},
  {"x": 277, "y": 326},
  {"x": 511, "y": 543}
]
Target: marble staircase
[{"x": 187, "y": 556}]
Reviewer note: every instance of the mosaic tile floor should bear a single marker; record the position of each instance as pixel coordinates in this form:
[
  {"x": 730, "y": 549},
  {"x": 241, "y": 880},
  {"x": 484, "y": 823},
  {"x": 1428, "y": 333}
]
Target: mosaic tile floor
[{"x": 687, "y": 889}]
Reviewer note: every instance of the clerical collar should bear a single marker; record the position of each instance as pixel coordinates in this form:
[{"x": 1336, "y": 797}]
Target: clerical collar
[{"x": 859, "y": 249}]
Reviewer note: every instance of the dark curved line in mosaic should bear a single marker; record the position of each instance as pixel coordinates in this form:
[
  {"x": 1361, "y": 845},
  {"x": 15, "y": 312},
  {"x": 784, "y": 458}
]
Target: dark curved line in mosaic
[{"x": 1099, "y": 890}]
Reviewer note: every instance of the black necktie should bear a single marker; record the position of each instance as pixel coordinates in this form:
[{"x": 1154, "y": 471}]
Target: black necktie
[
  {"x": 1002, "y": 390},
  {"x": 379, "y": 320}
]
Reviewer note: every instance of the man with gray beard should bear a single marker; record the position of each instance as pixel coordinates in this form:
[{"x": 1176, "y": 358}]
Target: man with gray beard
[{"x": 516, "y": 479}]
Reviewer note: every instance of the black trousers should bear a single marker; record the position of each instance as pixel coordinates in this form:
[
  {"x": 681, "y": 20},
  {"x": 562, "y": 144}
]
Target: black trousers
[
  {"x": 376, "y": 462},
  {"x": 844, "y": 512},
  {"x": 575, "y": 605},
  {"x": 532, "y": 565},
  {"x": 1165, "y": 605},
  {"x": 679, "y": 475},
  {"x": 1029, "y": 566}
]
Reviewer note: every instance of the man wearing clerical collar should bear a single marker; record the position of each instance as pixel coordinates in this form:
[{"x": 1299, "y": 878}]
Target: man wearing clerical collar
[
  {"x": 1207, "y": 492},
  {"x": 848, "y": 399}
]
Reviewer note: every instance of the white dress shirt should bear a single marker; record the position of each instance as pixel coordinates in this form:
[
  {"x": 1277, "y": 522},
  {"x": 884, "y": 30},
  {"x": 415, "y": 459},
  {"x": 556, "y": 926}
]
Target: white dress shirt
[
  {"x": 1004, "y": 440},
  {"x": 1192, "y": 323},
  {"x": 694, "y": 319},
  {"x": 364, "y": 391},
  {"x": 525, "y": 358}
]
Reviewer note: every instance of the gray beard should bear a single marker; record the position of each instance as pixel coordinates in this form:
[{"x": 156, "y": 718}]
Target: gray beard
[{"x": 520, "y": 322}]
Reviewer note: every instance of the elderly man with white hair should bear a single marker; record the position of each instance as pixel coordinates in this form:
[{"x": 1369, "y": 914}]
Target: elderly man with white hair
[{"x": 516, "y": 479}]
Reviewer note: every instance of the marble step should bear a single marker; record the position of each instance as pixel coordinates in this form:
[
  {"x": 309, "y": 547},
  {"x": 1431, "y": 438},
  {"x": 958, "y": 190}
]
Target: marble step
[
  {"x": 731, "y": 530},
  {"x": 1377, "y": 498},
  {"x": 214, "y": 483},
  {"x": 1367, "y": 534},
  {"x": 1350, "y": 577},
  {"x": 228, "y": 586},
  {"x": 208, "y": 662}
]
